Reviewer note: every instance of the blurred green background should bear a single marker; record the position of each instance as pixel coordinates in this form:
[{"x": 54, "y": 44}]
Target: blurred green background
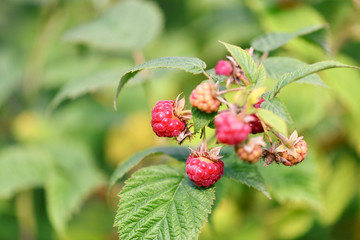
[{"x": 60, "y": 138}]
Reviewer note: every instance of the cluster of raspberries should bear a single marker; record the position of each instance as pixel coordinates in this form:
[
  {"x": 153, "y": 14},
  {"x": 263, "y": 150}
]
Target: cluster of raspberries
[{"x": 203, "y": 167}]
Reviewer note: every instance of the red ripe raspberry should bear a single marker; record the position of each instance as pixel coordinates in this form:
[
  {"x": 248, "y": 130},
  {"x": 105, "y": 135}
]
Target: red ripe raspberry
[
  {"x": 203, "y": 99},
  {"x": 299, "y": 156},
  {"x": 258, "y": 104},
  {"x": 163, "y": 120},
  {"x": 255, "y": 124},
  {"x": 230, "y": 130},
  {"x": 249, "y": 156},
  {"x": 223, "y": 67},
  {"x": 204, "y": 172}
]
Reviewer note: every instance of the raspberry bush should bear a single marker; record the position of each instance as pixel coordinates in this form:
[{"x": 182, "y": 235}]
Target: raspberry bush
[{"x": 235, "y": 113}]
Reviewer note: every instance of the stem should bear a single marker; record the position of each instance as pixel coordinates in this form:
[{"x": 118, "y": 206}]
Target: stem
[
  {"x": 265, "y": 127},
  {"x": 25, "y": 214},
  {"x": 230, "y": 90},
  {"x": 208, "y": 76},
  {"x": 184, "y": 112},
  {"x": 222, "y": 100},
  {"x": 282, "y": 138},
  {"x": 264, "y": 56},
  {"x": 203, "y": 147},
  {"x": 242, "y": 78}
]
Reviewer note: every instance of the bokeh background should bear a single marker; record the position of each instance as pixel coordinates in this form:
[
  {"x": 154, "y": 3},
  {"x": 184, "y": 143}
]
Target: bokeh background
[{"x": 60, "y": 138}]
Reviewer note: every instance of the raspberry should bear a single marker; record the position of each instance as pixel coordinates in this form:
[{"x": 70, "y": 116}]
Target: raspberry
[
  {"x": 300, "y": 154},
  {"x": 203, "y": 99},
  {"x": 230, "y": 130},
  {"x": 255, "y": 124},
  {"x": 203, "y": 171},
  {"x": 163, "y": 120},
  {"x": 223, "y": 67},
  {"x": 258, "y": 104},
  {"x": 249, "y": 156}
]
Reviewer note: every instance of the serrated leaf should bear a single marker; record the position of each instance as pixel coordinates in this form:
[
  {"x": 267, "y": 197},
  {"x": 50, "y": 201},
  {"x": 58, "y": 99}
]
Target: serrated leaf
[
  {"x": 74, "y": 178},
  {"x": 180, "y": 153},
  {"x": 260, "y": 75},
  {"x": 191, "y": 65},
  {"x": 243, "y": 172},
  {"x": 277, "y": 107},
  {"x": 244, "y": 60},
  {"x": 22, "y": 168},
  {"x": 113, "y": 31},
  {"x": 160, "y": 202},
  {"x": 316, "y": 34},
  {"x": 298, "y": 183},
  {"x": 305, "y": 71},
  {"x": 278, "y": 66},
  {"x": 271, "y": 41},
  {"x": 273, "y": 120},
  {"x": 88, "y": 84},
  {"x": 201, "y": 119}
]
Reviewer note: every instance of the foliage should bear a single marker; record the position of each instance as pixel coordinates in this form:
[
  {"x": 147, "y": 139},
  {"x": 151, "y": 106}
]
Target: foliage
[{"x": 63, "y": 161}]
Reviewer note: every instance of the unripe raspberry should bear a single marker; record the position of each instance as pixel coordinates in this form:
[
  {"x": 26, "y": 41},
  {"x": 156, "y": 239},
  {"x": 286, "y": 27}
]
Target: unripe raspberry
[
  {"x": 230, "y": 130},
  {"x": 297, "y": 157},
  {"x": 163, "y": 120},
  {"x": 251, "y": 156},
  {"x": 223, "y": 67},
  {"x": 203, "y": 171},
  {"x": 202, "y": 97}
]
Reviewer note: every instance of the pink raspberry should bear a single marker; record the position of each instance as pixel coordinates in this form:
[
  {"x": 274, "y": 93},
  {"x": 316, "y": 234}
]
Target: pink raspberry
[
  {"x": 230, "y": 130},
  {"x": 203, "y": 99},
  {"x": 203, "y": 171},
  {"x": 249, "y": 156},
  {"x": 223, "y": 67},
  {"x": 163, "y": 120}
]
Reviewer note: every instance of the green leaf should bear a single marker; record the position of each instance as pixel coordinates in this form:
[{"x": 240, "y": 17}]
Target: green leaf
[
  {"x": 113, "y": 31},
  {"x": 243, "y": 172},
  {"x": 87, "y": 84},
  {"x": 180, "y": 153},
  {"x": 305, "y": 71},
  {"x": 278, "y": 66},
  {"x": 316, "y": 34},
  {"x": 160, "y": 202},
  {"x": 298, "y": 183},
  {"x": 22, "y": 168},
  {"x": 273, "y": 120},
  {"x": 244, "y": 60},
  {"x": 74, "y": 178},
  {"x": 10, "y": 73},
  {"x": 191, "y": 65},
  {"x": 260, "y": 75},
  {"x": 201, "y": 119},
  {"x": 277, "y": 107},
  {"x": 344, "y": 174},
  {"x": 271, "y": 41}
]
